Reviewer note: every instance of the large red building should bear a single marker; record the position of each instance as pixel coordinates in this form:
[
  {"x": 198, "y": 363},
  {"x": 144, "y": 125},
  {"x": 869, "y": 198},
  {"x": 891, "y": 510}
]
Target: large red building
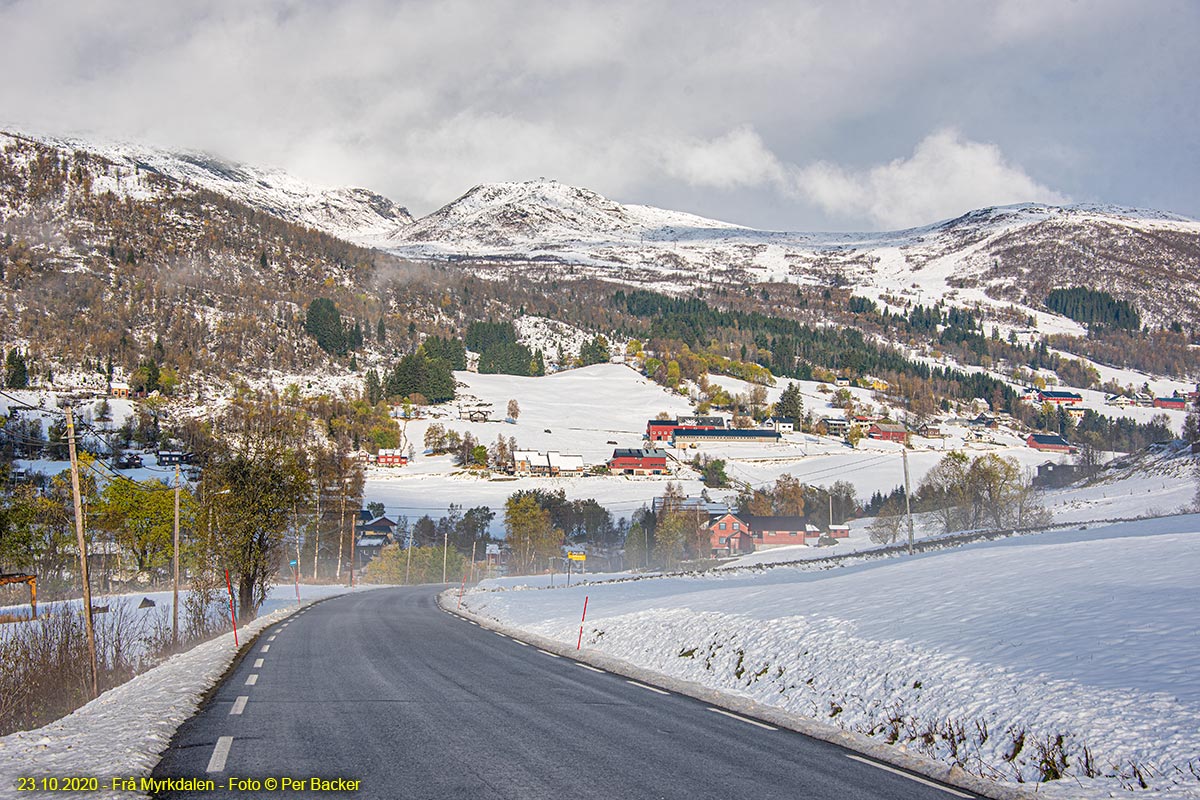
[
  {"x": 888, "y": 432},
  {"x": 638, "y": 462}
]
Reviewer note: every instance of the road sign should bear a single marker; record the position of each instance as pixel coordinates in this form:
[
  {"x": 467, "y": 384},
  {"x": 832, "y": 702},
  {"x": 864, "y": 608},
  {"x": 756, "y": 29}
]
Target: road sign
[
  {"x": 292, "y": 563},
  {"x": 577, "y": 556}
]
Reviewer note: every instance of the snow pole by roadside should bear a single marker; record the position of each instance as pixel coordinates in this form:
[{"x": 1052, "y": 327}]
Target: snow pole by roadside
[
  {"x": 462, "y": 587},
  {"x": 232, "y": 614},
  {"x": 579, "y": 641}
]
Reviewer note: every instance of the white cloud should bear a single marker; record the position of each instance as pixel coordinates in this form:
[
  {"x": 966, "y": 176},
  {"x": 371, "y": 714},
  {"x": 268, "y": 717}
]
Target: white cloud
[
  {"x": 945, "y": 176},
  {"x": 737, "y": 158}
]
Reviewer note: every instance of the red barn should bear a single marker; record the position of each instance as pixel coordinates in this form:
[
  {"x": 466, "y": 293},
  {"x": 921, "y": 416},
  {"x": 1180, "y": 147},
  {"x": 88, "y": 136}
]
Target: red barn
[
  {"x": 638, "y": 462},
  {"x": 888, "y": 432},
  {"x": 1175, "y": 403},
  {"x": 1049, "y": 442}
]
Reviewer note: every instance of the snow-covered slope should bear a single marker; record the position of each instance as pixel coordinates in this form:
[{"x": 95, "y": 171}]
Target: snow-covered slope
[
  {"x": 995, "y": 256},
  {"x": 358, "y": 215}
]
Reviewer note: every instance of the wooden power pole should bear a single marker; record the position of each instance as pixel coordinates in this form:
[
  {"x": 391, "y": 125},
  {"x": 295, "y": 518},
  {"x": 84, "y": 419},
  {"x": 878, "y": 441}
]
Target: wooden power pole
[
  {"x": 907, "y": 500},
  {"x": 83, "y": 563},
  {"x": 175, "y": 559}
]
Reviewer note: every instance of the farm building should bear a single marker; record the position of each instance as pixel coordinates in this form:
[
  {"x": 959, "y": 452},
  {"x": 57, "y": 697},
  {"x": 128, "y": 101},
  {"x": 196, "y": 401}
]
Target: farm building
[
  {"x": 888, "y": 432},
  {"x": 638, "y": 462},
  {"x": 1059, "y": 398},
  {"x": 724, "y": 435},
  {"x": 1049, "y": 442},
  {"x": 1174, "y": 403}
]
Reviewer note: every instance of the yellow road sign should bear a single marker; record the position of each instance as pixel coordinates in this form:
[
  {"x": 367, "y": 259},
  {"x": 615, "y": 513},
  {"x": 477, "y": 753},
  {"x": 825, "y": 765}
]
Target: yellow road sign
[{"x": 577, "y": 556}]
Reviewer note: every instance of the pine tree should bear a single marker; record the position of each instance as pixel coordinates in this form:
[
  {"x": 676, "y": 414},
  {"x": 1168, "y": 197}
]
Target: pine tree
[
  {"x": 380, "y": 331},
  {"x": 16, "y": 375}
]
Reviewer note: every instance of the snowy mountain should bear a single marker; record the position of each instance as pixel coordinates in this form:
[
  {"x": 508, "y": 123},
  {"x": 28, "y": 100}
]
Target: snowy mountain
[
  {"x": 994, "y": 256},
  {"x": 357, "y": 215}
]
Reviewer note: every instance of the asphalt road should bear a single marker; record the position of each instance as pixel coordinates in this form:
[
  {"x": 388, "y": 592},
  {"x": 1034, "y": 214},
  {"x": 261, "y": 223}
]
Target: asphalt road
[{"x": 385, "y": 689}]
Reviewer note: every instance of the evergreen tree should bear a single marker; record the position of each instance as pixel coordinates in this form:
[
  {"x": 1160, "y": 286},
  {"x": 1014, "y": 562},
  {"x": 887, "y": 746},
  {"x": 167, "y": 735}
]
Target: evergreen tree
[
  {"x": 16, "y": 375},
  {"x": 380, "y": 331},
  {"x": 791, "y": 403},
  {"x": 373, "y": 387},
  {"x": 595, "y": 352},
  {"x": 323, "y": 322}
]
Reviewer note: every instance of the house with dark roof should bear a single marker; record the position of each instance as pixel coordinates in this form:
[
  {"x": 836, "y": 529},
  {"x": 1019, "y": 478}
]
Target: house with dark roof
[
  {"x": 1049, "y": 442},
  {"x": 1059, "y": 398},
  {"x": 729, "y": 535},
  {"x": 782, "y": 424},
  {"x": 778, "y": 531},
  {"x": 638, "y": 462}
]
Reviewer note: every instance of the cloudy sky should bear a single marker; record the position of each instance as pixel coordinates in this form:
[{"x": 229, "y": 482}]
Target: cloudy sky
[{"x": 788, "y": 115}]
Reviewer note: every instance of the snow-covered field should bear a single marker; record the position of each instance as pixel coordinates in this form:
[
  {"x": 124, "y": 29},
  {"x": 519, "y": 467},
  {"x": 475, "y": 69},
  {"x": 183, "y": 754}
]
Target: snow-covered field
[
  {"x": 1088, "y": 635},
  {"x": 593, "y": 410},
  {"x": 123, "y": 731}
]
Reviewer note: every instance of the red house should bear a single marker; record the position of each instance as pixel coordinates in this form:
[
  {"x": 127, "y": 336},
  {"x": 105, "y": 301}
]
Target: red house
[
  {"x": 778, "y": 531},
  {"x": 1176, "y": 403},
  {"x": 728, "y": 535},
  {"x": 888, "y": 432},
  {"x": 1059, "y": 398},
  {"x": 1049, "y": 442},
  {"x": 638, "y": 462},
  {"x": 391, "y": 458}
]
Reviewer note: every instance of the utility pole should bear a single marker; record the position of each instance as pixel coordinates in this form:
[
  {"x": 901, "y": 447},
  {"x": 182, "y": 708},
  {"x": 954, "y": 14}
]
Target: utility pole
[
  {"x": 473, "y": 561},
  {"x": 907, "y": 501},
  {"x": 83, "y": 565},
  {"x": 341, "y": 534},
  {"x": 175, "y": 560},
  {"x": 445, "y": 552},
  {"x": 408, "y": 538}
]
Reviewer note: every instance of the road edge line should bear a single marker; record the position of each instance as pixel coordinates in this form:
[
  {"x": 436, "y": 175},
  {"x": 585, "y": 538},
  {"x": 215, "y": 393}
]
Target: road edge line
[{"x": 849, "y": 741}]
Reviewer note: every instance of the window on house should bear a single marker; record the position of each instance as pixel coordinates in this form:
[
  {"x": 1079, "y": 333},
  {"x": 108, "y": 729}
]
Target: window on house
[
  {"x": 722, "y": 526},
  {"x": 737, "y": 526},
  {"x": 793, "y": 533}
]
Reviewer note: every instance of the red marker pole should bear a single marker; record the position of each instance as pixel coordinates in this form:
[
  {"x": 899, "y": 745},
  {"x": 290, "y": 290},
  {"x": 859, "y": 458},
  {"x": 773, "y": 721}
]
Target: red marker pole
[
  {"x": 233, "y": 616},
  {"x": 462, "y": 588},
  {"x": 579, "y": 643}
]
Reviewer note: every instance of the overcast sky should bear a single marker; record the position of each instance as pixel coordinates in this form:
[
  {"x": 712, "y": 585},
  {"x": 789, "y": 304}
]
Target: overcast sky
[{"x": 788, "y": 115}]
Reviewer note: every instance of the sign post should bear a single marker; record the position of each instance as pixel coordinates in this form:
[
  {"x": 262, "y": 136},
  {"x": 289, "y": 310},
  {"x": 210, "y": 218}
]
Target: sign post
[{"x": 295, "y": 565}]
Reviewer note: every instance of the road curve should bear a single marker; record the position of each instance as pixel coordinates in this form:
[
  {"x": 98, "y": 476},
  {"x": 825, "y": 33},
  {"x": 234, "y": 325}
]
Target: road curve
[{"x": 385, "y": 689}]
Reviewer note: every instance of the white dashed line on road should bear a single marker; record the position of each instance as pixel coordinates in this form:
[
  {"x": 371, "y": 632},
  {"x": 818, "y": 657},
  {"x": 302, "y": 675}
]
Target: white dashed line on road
[
  {"x": 239, "y": 706},
  {"x": 518, "y": 641},
  {"x": 548, "y": 653},
  {"x": 903, "y": 774},
  {"x": 220, "y": 753},
  {"x": 585, "y": 666},
  {"x": 271, "y": 638},
  {"x": 266, "y": 648},
  {"x": 258, "y": 662},
  {"x": 253, "y": 679},
  {"x": 740, "y": 718},
  {"x": 644, "y": 686}
]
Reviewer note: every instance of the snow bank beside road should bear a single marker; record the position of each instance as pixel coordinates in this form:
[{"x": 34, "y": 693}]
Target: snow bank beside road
[
  {"x": 122, "y": 732},
  {"x": 984, "y": 656}
]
